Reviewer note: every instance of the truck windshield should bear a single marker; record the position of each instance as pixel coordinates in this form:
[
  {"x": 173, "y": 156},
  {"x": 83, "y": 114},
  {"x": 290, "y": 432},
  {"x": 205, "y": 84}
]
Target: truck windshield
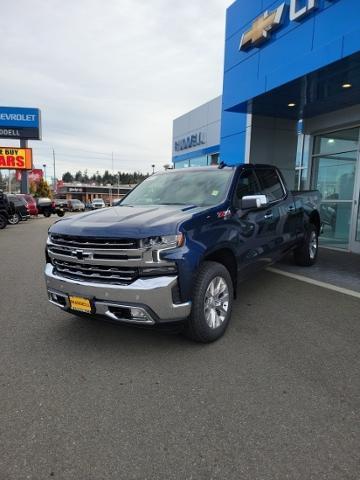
[{"x": 200, "y": 188}]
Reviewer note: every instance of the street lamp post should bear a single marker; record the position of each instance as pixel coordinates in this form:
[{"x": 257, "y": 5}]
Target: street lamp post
[
  {"x": 153, "y": 169},
  {"x": 44, "y": 167}
]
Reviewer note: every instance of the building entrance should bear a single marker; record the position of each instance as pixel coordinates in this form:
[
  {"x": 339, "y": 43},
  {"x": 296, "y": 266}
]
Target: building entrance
[{"x": 335, "y": 173}]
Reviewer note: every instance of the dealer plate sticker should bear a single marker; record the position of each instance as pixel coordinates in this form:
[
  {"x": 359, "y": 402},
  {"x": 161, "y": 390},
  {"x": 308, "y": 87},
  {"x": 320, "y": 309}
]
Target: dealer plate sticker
[{"x": 80, "y": 304}]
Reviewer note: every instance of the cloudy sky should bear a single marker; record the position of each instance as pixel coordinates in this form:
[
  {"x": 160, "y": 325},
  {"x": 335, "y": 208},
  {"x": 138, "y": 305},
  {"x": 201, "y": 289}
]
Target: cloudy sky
[{"x": 110, "y": 76}]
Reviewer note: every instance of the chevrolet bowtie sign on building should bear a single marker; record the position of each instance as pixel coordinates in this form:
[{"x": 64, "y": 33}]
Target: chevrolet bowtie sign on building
[{"x": 268, "y": 22}]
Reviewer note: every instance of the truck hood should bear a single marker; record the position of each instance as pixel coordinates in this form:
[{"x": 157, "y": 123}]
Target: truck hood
[{"x": 126, "y": 221}]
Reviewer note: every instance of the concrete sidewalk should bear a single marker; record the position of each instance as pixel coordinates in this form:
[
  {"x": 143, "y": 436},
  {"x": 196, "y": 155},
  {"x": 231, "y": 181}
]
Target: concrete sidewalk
[{"x": 341, "y": 269}]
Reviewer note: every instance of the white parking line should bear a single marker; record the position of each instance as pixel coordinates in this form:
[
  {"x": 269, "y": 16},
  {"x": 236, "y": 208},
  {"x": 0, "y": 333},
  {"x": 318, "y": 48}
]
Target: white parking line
[{"x": 301, "y": 278}]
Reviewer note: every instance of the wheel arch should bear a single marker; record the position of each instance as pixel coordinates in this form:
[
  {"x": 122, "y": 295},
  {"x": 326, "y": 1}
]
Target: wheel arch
[{"x": 225, "y": 257}]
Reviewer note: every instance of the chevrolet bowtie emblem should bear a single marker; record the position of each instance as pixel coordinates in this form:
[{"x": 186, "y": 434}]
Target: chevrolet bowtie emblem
[{"x": 262, "y": 28}]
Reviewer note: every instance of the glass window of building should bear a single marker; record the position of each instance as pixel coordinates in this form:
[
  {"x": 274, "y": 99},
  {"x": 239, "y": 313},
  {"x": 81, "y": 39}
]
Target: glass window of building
[
  {"x": 182, "y": 164},
  {"x": 198, "y": 161}
]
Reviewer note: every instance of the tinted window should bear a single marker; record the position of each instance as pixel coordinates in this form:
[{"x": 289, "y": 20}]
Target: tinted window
[
  {"x": 270, "y": 184},
  {"x": 247, "y": 185}
]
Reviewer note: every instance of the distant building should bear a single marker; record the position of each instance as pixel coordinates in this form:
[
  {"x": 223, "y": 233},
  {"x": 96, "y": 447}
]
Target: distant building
[{"x": 86, "y": 192}]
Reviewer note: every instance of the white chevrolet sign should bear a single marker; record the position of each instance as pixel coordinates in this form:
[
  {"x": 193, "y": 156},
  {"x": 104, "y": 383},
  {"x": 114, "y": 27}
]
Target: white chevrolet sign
[{"x": 269, "y": 21}]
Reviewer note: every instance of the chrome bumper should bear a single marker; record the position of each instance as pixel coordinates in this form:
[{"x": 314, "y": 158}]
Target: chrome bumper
[{"x": 153, "y": 296}]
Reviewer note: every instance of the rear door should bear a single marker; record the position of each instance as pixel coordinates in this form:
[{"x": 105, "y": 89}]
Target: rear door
[{"x": 280, "y": 211}]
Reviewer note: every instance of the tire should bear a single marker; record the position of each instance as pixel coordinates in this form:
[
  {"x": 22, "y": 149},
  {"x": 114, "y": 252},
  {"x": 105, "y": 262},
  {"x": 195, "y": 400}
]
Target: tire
[
  {"x": 3, "y": 222},
  {"x": 47, "y": 213},
  {"x": 14, "y": 219},
  {"x": 60, "y": 214},
  {"x": 208, "y": 323},
  {"x": 306, "y": 255}
]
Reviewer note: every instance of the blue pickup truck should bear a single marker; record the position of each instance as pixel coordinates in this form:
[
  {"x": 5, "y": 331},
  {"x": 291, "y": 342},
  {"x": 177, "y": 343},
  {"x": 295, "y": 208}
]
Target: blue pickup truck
[{"x": 177, "y": 246}]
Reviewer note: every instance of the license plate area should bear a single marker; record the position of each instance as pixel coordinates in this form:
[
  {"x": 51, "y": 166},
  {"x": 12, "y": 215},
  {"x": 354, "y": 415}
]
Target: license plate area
[{"x": 81, "y": 304}]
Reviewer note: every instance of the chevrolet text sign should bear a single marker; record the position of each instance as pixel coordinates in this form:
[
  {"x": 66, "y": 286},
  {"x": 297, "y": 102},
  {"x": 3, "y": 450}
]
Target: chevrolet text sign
[
  {"x": 268, "y": 22},
  {"x": 12, "y": 158},
  {"x": 20, "y": 123}
]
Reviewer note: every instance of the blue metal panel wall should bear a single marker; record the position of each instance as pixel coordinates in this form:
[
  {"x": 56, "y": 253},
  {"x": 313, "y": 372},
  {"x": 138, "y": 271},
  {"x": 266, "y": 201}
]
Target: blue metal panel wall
[{"x": 297, "y": 48}]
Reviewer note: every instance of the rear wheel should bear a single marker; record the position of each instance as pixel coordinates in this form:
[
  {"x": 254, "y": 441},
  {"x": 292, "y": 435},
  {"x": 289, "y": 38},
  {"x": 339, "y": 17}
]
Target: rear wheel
[
  {"x": 3, "y": 222},
  {"x": 211, "y": 303},
  {"x": 306, "y": 255},
  {"x": 47, "y": 213},
  {"x": 60, "y": 214},
  {"x": 14, "y": 219}
]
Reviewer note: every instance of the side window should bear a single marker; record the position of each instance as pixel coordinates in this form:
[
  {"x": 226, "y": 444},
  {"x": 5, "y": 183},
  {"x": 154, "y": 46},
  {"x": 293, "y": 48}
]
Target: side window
[
  {"x": 247, "y": 185},
  {"x": 270, "y": 184}
]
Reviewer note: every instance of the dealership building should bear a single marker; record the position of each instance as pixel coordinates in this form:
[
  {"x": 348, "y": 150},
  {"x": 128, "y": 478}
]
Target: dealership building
[{"x": 291, "y": 98}]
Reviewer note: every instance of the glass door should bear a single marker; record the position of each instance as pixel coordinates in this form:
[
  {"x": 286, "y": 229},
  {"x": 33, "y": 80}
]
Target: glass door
[
  {"x": 355, "y": 234},
  {"x": 334, "y": 174}
]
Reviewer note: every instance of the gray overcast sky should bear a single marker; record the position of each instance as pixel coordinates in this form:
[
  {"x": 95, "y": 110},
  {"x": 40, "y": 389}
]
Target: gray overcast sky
[{"x": 110, "y": 75}]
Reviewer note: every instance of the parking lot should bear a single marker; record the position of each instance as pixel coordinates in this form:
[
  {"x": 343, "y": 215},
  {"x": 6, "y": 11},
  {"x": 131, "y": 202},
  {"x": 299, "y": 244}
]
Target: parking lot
[{"x": 276, "y": 398}]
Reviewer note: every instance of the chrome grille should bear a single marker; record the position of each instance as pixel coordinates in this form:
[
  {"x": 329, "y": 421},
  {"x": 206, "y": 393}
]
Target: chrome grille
[
  {"x": 100, "y": 260},
  {"x": 102, "y": 251},
  {"x": 95, "y": 259},
  {"x": 94, "y": 243},
  {"x": 96, "y": 273}
]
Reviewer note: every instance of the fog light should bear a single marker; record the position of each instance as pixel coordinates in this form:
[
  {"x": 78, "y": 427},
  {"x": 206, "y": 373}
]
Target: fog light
[{"x": 138, "y": 313}]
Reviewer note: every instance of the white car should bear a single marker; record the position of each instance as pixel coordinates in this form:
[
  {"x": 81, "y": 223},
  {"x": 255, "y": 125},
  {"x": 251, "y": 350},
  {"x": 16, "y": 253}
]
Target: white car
[{"x": 97, "y": 203}]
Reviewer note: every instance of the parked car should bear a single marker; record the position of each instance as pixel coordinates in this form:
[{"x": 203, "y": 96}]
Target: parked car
[
  {"x": 97, "y": 203},
  {"x": 18, "y": 209},
  {"x": 177, "y": 246},
  {"x": 4, "y": 210},
  {"x": 61, "y": 203},
  {"x": 46, "y": 206},
  {"x": 75, "y": 205},
  {"x": 31, "y": 203}
]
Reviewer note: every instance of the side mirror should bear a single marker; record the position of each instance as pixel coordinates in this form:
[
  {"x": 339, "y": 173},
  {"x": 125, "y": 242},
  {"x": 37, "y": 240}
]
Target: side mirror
[{"x": 253, "y": 201}]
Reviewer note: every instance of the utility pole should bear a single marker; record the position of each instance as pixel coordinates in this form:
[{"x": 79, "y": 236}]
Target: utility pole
[
  {"x": 54, "y": 183},
  {"x": 153, "y": 169}
]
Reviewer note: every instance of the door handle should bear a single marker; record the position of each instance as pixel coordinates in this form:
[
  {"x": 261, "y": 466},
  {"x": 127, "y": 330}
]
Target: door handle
[{"x": 268, "y": 215}]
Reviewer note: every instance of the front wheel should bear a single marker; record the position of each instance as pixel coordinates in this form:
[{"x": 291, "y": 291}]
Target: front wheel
[
  {"x": 14, "y": 219},
  {"x": 60, "y": 214},
  {"x": 47, "y": 213},
  {"x": 306, "y": 255},
  {"x": 212, "y": 302}
]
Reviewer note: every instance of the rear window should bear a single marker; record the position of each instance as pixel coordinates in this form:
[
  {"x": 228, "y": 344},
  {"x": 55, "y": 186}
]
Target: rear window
[{"x": 270, "y": 184}]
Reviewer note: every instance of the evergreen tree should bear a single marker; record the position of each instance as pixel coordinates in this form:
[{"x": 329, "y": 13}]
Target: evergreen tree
[{"x": 67, "y": 177}]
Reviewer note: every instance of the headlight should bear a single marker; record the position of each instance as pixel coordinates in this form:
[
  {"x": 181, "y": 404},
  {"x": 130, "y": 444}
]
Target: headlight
[{"x": 165, "y": 241}]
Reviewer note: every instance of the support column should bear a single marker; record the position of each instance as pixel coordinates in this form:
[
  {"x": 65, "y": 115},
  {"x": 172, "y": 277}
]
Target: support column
[{"x": 24, "y": 186}]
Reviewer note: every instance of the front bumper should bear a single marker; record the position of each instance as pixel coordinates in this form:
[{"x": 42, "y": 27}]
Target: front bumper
[{"x": 151, "y": 295}]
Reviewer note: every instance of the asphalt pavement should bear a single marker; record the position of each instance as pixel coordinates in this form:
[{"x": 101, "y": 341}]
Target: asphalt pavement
[{"x": 277, "y": 397}]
